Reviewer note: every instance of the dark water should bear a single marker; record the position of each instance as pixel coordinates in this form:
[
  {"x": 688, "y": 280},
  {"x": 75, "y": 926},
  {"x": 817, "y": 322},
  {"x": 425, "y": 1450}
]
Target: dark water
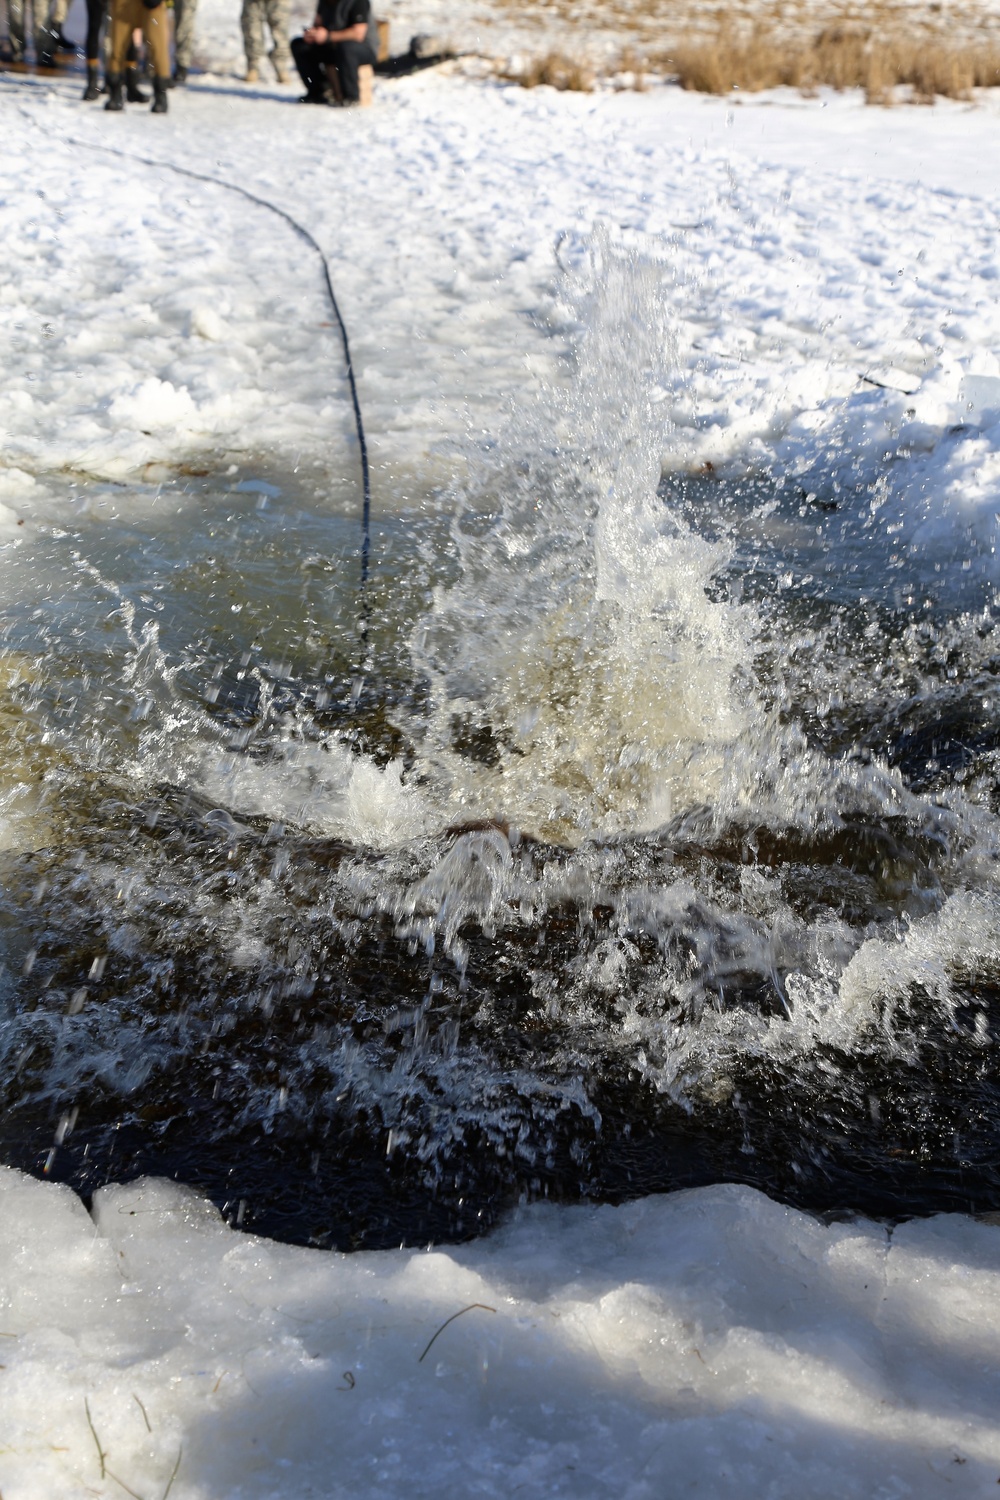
[{"x": 351, "y": 1040}]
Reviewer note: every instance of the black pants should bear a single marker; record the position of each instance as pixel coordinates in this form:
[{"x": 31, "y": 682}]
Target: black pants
[
  {"x": 311, "y": 59},
  {"x": 95, "y": 20}
]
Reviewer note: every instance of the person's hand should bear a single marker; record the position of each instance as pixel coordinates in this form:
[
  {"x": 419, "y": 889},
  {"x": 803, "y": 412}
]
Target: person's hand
[{"x": 316, "y": 35}]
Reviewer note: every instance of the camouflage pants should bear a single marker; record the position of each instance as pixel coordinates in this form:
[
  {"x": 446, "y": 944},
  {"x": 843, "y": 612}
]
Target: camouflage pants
[
  {"x": 275, "y": 13},
  {"x": 184, "y": 14},
  {"x": 19, "y": 28}
]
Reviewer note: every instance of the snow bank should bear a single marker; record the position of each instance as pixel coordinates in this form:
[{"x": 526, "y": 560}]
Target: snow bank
[{"x": 711, "y": 1340}]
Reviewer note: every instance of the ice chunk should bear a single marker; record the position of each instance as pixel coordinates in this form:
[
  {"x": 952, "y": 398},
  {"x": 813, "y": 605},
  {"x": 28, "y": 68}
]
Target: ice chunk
[
  {"x": 205, "y": 322},
  {"x": 152, "y": 406}
]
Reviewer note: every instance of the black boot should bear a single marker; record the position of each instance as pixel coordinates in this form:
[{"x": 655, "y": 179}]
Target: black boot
[
  {"x": 45, "y": 48},
  {"x": 115, "y": 100},
  {"x": 133, "y": 93},
  {"x": 93, "y": 89},
  {"x": 160, "y": 86}
]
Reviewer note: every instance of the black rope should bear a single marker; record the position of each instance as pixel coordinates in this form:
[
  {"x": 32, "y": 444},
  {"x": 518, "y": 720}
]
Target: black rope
[{"x": 303, "y": 233}]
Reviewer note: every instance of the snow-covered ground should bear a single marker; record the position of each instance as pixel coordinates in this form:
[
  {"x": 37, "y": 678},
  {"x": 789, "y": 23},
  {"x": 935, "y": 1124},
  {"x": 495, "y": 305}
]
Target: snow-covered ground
[
  {"x": 810, "y": 247},
  {"x": 831, "y": 278},
  {"x": 705, "y": 1343}
]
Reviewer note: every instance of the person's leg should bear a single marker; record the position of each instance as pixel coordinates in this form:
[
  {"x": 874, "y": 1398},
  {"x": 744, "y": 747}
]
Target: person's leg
[
  {"x": 135, "y": 63},
  {"x": 347, "y": 58},
  {"x": 123, "y": 23},
  {"x": 15, "y": 24},
  {"x": 252, "y": 23},
  {"x": 309, "y": 61},
  {"x": 184, "y": 17},
  {"x": 45, "y": 36},
  {"x": 57, "y": 19},
  {"x": 277, "y": 12},
  {"x": 156, "y": 29},
  {"x": 95, "y": 18},
  {"x": 134, "y": 60}
]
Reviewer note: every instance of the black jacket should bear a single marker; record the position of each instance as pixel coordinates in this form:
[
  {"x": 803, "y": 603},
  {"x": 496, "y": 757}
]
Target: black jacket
[{"x": 337, "y": 15}]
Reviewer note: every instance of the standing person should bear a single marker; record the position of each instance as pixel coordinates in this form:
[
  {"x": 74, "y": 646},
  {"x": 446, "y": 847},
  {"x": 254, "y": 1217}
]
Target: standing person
[
  {"x": 275, "y": 13},
  {"x": 126, "y": 16},
  {"x": 97, "y": 14},
  {"x": 343, "y": 36},
  {"x": 184, "y": 14},
  {"x": 19, "y": 26}
]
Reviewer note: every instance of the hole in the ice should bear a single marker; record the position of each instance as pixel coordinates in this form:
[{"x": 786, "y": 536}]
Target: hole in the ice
[{"x": 269, "y": 925}]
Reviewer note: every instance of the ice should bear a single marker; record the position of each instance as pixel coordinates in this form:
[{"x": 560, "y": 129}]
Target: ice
[
  {"x": 152, "y": 405},
  {"x": 709, "y": 1339}
]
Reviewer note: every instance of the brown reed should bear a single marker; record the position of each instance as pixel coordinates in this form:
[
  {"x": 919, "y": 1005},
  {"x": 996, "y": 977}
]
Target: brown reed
[
  {"x": 555, "y": 69},
  {"x": 842, "y": 56},
  {"x": 889, "y": 49}
]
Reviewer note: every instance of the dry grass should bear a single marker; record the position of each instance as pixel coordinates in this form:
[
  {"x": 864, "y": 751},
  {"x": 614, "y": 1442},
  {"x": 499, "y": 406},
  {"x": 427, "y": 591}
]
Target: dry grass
[
  {"x": 632, "y": 63},
  {"x": 842, "y": 56},
  {"x": 555, "y": 69},
  {"x": 878, "y": 46}
]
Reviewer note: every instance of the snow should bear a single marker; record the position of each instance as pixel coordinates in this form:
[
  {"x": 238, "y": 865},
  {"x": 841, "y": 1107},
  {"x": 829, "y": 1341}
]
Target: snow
[
  {"x": 830, "y": 275},
  {"x": 707, "y": 1340},
  {"x": 195, "y": 319}
]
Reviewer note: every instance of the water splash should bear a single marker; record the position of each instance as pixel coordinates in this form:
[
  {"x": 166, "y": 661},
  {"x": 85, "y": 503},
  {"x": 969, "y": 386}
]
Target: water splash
[{"x": 584, "y": 681}]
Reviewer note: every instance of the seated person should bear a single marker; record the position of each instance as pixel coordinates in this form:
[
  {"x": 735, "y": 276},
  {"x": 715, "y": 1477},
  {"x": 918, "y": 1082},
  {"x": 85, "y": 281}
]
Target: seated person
[{"x": 343, "y": 36}]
